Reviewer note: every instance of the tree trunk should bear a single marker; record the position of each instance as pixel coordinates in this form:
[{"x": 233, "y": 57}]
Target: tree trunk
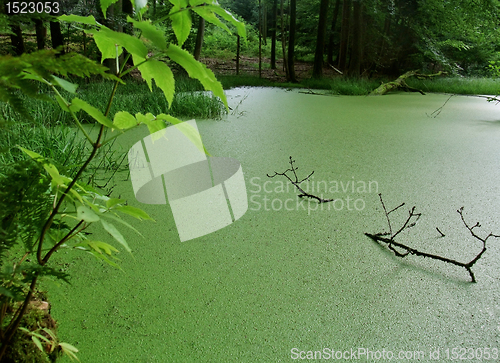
[
  {"x": 331, "y": 39},
  {"x": 199, "y": 38},
  {"x": 41, "y": 33},
  {"x": 56, "y": 36},
  {"x": 273, "y": 33},
  {"x": 291, "y": 41},
  {"x": 17, "y": 40},
  {"x": 400, "y": 83},
  {"x": 357, "y": 41},
  {"x": 238, "y": 55},
  {"x": 264, "y": 23},
  {"x": 320, "y": 40},
  {"x": 283, "y": 41},
  {"x": 344, "y": 36},
  {"x": 260, "y": 40}
]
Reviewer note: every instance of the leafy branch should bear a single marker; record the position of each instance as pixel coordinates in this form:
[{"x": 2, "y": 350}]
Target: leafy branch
[
  {"x": 88, "y": 205},
  {"x": 410, "y": 222}
]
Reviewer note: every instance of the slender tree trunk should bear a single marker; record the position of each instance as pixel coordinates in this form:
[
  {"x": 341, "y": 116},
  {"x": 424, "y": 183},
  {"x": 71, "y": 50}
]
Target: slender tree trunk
[
  {"x": 41, "y": 33},
  {"x": 260, "y": 40},
  {"x": 331, "y": 38},
  {"x": 273, "y": 33},
  {"x": 56, "y": 35},
  {"x": 357, "y": 41},
  {"x": 17, "y": 40},
  {"x": 264, "y": 23},
  {"x": 291, "y": 41},
  {"x": 283, "y": 41},
  {"x": 344, "y": 36},
  {"x": 199, "y": 38},
  {"x": 237, "y": 55},
  {"x": 320, "y": 40}
]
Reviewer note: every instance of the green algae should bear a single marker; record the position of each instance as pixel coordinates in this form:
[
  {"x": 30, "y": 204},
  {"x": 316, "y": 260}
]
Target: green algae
[{"x": 290, "y": 277}]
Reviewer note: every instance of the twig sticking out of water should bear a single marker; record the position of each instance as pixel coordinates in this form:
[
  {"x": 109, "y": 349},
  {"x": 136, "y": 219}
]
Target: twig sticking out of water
[
  {"x": 297, "y": 182},
  {"x": 408, "y": 250},
  {"x": 436, "y": 113}
]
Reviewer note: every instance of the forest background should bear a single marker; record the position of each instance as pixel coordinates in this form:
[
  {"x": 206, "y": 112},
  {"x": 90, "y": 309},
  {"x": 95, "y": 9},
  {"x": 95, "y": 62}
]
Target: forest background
[{"x": 353, "y": 38}]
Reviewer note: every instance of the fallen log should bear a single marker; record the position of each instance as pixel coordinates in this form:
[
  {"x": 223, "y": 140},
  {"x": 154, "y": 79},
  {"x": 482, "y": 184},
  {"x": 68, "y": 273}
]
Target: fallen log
[{"x": 400, "y": 83}]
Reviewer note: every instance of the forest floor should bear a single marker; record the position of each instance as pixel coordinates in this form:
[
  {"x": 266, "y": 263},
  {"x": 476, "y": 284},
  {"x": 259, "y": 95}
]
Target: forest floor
[{"x": 250, "y": 66}]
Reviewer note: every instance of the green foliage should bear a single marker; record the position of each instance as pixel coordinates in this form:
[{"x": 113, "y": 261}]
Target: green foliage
[
  {"x": 44, "y": 210},
  {"x": 218, "y": 43},
  {"x": 458, "y": 85},
  {"x": 18, "y": 74}
]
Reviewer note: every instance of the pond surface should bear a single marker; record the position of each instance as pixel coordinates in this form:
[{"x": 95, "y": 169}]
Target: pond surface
[{"x": 297, "y": 275}]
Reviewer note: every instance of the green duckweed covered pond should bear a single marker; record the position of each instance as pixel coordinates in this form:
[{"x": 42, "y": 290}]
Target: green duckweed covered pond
[{"x": 285, "y": 277}]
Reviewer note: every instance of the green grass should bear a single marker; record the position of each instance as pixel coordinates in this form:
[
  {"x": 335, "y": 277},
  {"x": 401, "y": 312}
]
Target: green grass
[
  {"x": 132, "y": 97},
  {"x": 363, "y": 86},
  {"x": 458, "y": 85},
  {"x": 338, "y": 86}
]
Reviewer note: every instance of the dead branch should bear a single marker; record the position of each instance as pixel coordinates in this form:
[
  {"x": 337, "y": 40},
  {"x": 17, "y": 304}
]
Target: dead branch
[
  {"x": 438, "y": 111},
  {"x": 410, "y": 222},
  {"x": 297, "y": 182}
]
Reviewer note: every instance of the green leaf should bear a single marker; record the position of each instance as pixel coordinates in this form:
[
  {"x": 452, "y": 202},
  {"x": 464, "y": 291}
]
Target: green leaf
[
  {"x": 78, "y": 104},
  {"x": 181, "y": 21},
  {"x": 111, "y": 202},
  {"x": 50, "y": 333},
  {"x": 134, "y": 212},
  {"x": 105, "y": 258},
  {"x": 149, "y": 31},
  {"x": 209, "y": 16},
  {"x": 69, "y": 350},
  {"x": 226, "y": 15},
  {"x": 106, "y": 45},
  {"x": 124, "y": 120},
  {"x": 99, "y": 247},
  {"x": 68, "y": 86},
  {"x": 62, "y": 103},
  {"x": 95, "y": 207},
  {"x": 111, "y": 229},
  {"x": 107, "y": 40},
  {"x": 151, "y": 122},
  {"x": 50, "y": 168},
  {"x": 163, "y": 76},
  {"x": 89, "y": 20},
  {"x": 191, "y": 133},
  {"x": 37, "y": 342},
  {"x": 119, "y": 220},
  {"x": 105, "y": 4},
  {"x": 37, "y": 157},
  {"x": 197, "y": 70},
  {"x": 40, "y": 336},
  {"x": 131, "y": 43},
  {"x": 86, "y": 214}
]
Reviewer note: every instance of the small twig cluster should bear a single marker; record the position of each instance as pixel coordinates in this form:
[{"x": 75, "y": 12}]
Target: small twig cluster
[
  {"x": 297, "y": 182},
  {"x": 410, "y": 222}
]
